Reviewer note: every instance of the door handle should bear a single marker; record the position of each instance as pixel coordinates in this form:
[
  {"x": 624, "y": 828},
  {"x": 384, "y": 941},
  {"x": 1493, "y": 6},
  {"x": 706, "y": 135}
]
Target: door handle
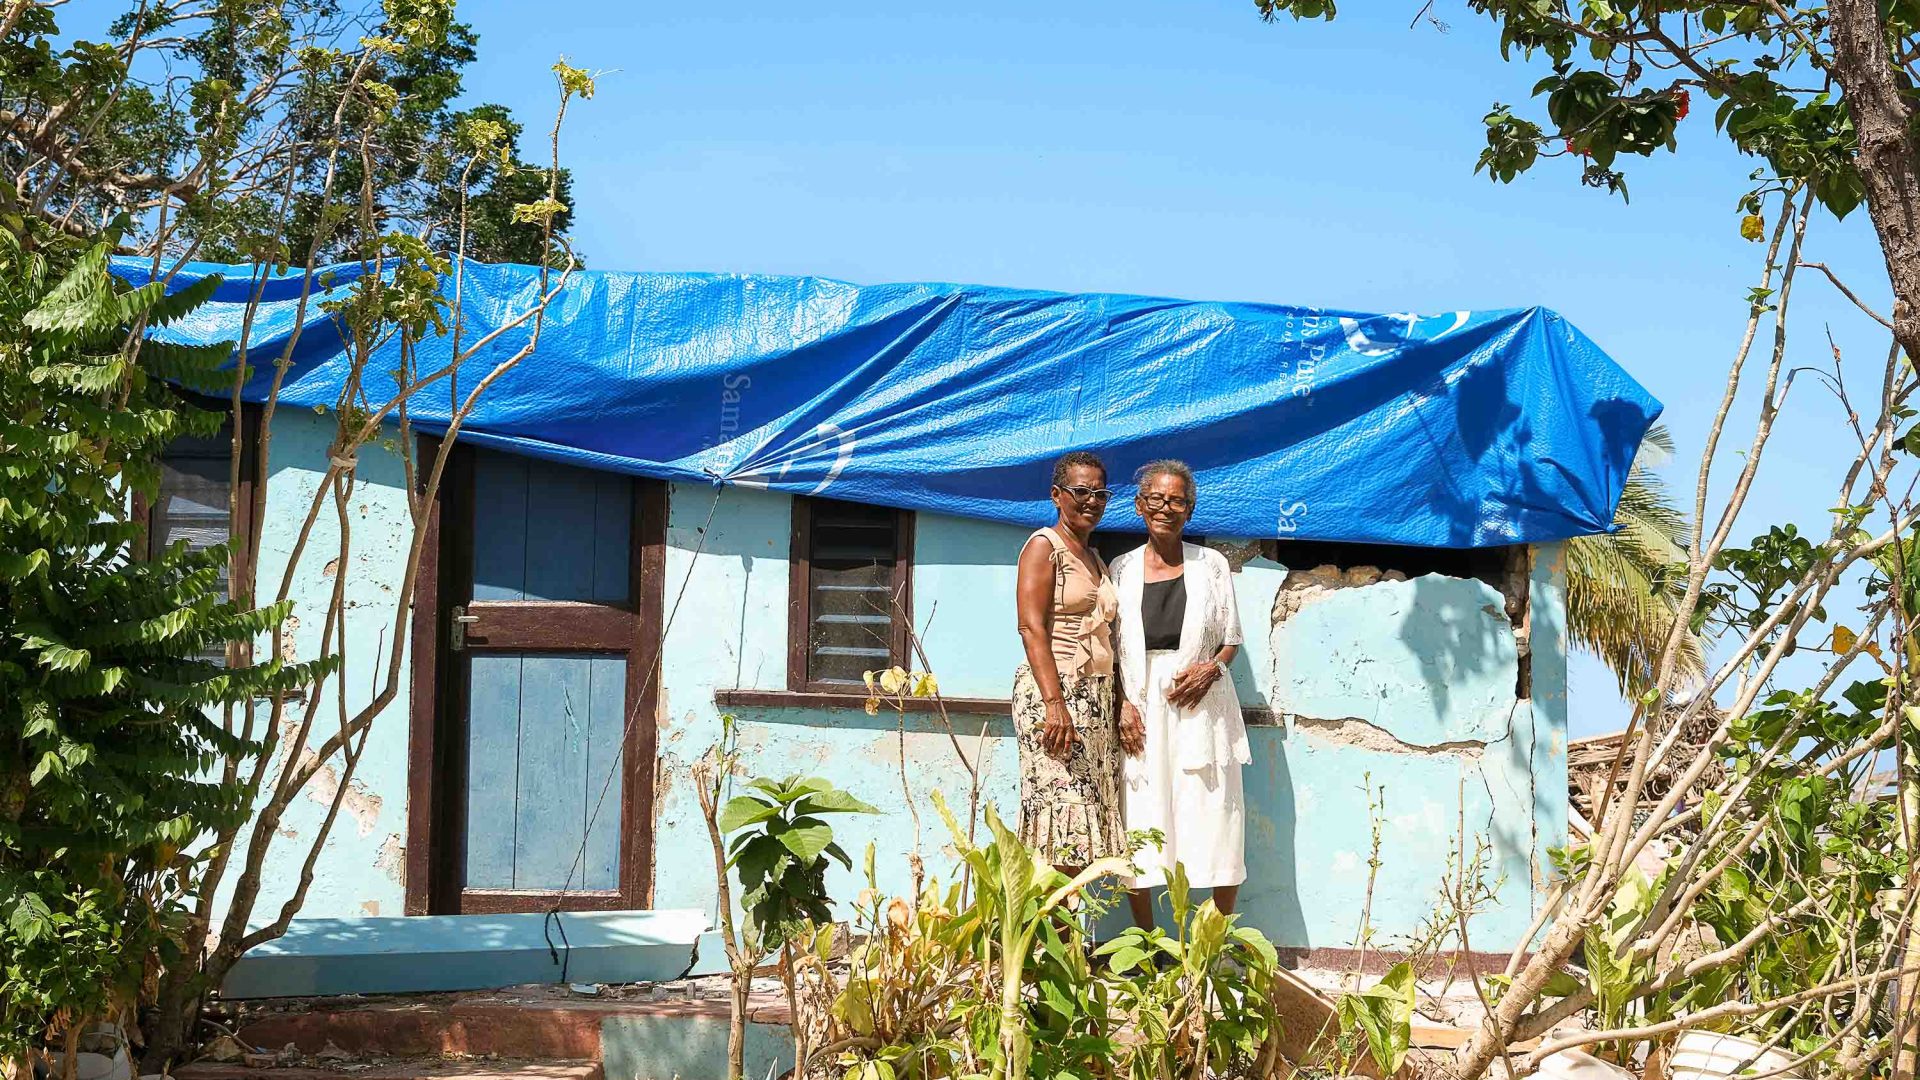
[{"x": 457, "y": 632}]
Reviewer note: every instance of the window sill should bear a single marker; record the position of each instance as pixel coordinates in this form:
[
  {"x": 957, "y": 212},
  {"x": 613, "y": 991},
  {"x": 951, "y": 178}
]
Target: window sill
[
  {"x": 811, "y": 699},
  {"x": 1254, "y": 715}
]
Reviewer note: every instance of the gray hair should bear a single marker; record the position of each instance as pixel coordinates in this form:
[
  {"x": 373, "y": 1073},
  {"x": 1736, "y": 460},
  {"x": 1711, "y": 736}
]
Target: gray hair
[{"x": 1167, "y": 467}]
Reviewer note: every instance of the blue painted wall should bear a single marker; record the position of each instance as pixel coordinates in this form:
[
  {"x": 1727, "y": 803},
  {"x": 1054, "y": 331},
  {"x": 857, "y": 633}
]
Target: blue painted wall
[
  {"x": 361, "y": 869},
  {"x": 1409, "y": 687},
  {"x": 1412, "y": 682}
]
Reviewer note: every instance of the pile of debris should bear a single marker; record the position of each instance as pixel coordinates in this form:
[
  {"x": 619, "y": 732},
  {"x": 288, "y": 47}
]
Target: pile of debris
[{"x": 1592, "y": 761}]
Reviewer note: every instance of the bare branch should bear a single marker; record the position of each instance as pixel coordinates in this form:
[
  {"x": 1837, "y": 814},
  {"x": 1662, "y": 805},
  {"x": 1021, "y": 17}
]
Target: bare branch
[{"x": 1849, "y": 293}]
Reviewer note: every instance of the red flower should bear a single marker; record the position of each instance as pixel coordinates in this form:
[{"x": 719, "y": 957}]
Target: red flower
[
  {"x": 1683, "y": 101},
  {"x": 1571, "y": 149}
]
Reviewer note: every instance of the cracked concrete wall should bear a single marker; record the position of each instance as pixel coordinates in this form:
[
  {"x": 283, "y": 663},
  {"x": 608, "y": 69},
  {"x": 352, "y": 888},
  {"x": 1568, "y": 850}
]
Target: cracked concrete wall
[
  {"x": 1410, "y": 685},
  {"x": 1412, "y": 681}
]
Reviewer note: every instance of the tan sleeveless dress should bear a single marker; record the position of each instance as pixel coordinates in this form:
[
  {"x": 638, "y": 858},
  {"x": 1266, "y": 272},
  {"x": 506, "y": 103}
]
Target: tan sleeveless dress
[{"x": 1070, "y": 810}]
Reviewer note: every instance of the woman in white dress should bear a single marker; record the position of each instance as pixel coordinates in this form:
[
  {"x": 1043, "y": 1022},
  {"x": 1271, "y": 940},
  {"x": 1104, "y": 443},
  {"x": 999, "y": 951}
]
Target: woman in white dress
[{"x": 1178, "y": 629}]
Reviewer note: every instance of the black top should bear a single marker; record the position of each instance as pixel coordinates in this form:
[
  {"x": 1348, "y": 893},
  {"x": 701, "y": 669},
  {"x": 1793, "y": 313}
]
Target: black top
[{"x": 1163, "y": 607}]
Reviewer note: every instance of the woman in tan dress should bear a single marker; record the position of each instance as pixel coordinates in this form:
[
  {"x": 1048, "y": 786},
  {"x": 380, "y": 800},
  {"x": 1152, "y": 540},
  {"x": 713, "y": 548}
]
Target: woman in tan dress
[{"x": 1063, "y": 695}]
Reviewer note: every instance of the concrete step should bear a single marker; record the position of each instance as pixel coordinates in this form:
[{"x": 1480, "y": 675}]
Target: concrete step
[
  {"x": 632, "y": 1035},
  {"x": 510, "y": 1027},
  {"x": 423, "y": 1069},
  {"x": 427, "y": 953}
]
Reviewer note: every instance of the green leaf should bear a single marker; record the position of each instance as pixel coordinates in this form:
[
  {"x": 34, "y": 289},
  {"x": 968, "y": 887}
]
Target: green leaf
[
  {"x": 806, "y": 838},
  {"x": 30, "y": 918},
  {"x": 744, "y": 810},
  {"x": 790, "y": 789},
  {"x": 1177, "y": 891},
  {"x": 1126, "y": 958},
  {"x": 833, "y": 801},
  {"x": 1383, "y": 1012},
  {"x": 759, "y": 860},
  {"x": 1257, "y": 941},
  {"x": 177, "y": 304},
  {"x": 82, "y": 302}
]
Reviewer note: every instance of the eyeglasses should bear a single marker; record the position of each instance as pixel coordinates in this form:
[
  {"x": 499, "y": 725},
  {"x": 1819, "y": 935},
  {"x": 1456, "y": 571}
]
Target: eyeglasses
[
  {"x": 1156, "y": 501},
  {"x": 1085, "y": 494}
]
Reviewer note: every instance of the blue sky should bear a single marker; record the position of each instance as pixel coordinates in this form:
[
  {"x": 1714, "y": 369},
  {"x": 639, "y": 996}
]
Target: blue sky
[
  {"x": 1182, "y": 149},
  {"x": 1176, "y": 149}
]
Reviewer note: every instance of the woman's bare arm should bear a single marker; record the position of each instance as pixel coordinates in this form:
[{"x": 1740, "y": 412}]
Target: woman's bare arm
[{"x": 1034, "y": 601}]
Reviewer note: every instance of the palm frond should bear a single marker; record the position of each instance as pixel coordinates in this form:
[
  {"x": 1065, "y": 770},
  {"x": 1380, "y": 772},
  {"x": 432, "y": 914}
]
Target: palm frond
[{"x": 1624, "y": 588}]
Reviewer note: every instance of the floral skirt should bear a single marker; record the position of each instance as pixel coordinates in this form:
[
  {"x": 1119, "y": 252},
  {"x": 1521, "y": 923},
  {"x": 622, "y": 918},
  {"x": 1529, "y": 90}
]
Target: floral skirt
[{"x": 1070, "y": 809}]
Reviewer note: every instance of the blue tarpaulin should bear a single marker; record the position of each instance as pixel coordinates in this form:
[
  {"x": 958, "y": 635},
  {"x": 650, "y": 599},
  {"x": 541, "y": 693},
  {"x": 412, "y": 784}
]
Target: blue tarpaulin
[{"x": 1454, "y": 429}]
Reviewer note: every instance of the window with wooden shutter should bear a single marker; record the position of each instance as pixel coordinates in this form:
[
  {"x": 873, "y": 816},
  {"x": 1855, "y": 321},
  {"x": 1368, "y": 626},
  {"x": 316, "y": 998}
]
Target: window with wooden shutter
[
  {"x": 196, "y": 479},
  {"x": 192, "y": 501},
  {"x": 852, "y": 565}
]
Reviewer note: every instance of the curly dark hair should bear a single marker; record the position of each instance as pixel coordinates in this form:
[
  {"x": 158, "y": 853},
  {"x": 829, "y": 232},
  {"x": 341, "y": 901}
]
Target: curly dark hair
[{"x": 1074, "y": 458}]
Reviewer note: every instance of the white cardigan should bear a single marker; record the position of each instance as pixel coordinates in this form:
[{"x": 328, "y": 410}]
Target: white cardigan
[{"x": 1212, "y": 732}]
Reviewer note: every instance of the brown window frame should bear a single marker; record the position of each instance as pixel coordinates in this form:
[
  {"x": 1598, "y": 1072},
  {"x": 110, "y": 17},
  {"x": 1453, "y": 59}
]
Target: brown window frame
[
  {"x": 800, "y": 598},
  {"x": 241, "y": 542}
]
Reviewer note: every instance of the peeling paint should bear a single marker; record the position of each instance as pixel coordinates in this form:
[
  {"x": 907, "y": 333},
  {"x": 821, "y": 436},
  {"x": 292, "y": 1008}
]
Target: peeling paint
[
  {"x": 391, "y": 859},
  {"x": 289, "y": 630},
  {"x": 353, "y": 868},
  {"x": 361, "y": 804},
  {"x": 1411, "y": 681}
]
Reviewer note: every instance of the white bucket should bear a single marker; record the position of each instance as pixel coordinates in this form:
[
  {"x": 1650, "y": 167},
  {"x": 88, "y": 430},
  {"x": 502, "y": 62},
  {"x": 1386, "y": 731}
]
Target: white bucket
[
  {"x": 1709, "y": 1055},
  {"x": 1577, "y": 1064},
  {"x": 89, "y": 1066}
]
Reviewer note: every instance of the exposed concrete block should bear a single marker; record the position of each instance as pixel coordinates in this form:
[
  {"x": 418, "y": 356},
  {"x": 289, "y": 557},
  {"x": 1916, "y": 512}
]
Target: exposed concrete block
[{"x": 1352, "y": 731}]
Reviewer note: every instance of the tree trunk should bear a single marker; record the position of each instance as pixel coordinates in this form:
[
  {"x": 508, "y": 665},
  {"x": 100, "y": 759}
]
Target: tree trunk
[
  {"x": 1888, "y": 167},
  {"x": 1906, "y": 1059},
  {"x": 1489, "y": 1041},
  {"x": 169, "y": 1033},
  {"x": 742, "y": 984}
]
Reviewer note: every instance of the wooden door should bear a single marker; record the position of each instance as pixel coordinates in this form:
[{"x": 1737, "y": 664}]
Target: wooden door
[{"x": 546, "y": 628}]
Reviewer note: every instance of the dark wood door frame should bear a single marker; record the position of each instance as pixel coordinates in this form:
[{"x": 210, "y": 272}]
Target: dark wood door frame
[{"x": 436, "y": 768}]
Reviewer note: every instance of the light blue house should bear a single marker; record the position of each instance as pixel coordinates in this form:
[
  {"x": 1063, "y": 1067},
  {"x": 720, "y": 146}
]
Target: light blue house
[{"x": 602, "y": 586}]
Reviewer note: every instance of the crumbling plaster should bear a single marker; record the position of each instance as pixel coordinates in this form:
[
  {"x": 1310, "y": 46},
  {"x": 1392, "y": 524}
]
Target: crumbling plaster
[
  {"x": 1411, "y": 682},
  {"x": 1411, "y": 687}
]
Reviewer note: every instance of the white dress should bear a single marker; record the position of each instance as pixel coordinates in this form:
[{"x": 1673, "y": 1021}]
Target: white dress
[{"x": 1187, "y": 783}]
